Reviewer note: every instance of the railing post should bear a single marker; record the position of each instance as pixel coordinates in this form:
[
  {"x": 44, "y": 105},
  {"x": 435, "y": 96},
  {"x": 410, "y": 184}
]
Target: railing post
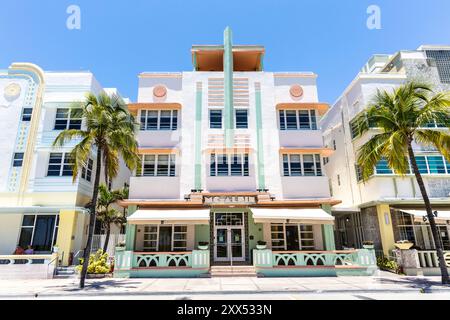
[
  {"x": 123, "y": 263},
  {"x": 263, "y": 258},
  {"x": 409, "y": 261},
  {"x": 200, "y": 259}
]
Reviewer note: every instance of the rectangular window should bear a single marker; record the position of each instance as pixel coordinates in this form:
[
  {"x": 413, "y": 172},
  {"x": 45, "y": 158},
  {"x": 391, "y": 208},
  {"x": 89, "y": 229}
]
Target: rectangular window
[
  {"x": 39, "y": 231},
  {"x": 68, "y": 118},
  {"x": 302, "y": 165},
  {"x": 241, "y": 118},
  {"x": 291, "y": 236},
  {"x": 298, "y": 120},
  {"x": 215, "y": 119},
  {"x": 229, "y": 165},
  {"x": 165, "y": 238},
  {"x": 383, "y": 168},
  {"x": 161, "y": 165},
  {"x": 18, "y": 159},
  {"x": 26, "y": 114},
  {"x": 422, "y": 164},
  {"x": 86, "y": 171},
  {"x": 59, "y": 164},
  {"x": 152, "y": 120},
  {"x": 359, "y": 176},
  {"x": 436, "y": 164}
]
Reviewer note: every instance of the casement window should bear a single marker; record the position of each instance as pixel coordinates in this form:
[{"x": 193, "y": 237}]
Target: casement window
[
  {"x": 39, "y": 231},
  {"x": 161, "y": 165},
  {"x": 288, "y": 236},
  {"x": 430, "y": 164},
  {"x": 18, "y": 159},
  {"x": 60, "y": 164},
  {"x": 298, "y": 120},
  {"x": 359, "y": 176},
  {"x": 301, "y": 165},
  {"x": 229, "y": 165},
  {"x": 241, "y": 118},
  {"x": 86, "y": 171},
  {"x": 215, "y": 119},
  {"x": 26, "y": 114},
  {"x": 159, "y": 120},
  {"x": 68, "y": 118},
  {"x": 165, "y": 238}
]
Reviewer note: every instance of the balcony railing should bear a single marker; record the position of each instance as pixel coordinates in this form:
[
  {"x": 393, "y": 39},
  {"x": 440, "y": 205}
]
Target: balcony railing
[
  {"x": 423, "y": 262},
  {"x": 429, "y": 259}
]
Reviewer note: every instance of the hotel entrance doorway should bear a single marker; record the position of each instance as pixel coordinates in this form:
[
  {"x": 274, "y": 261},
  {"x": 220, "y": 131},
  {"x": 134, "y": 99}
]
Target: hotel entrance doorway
[{"x": 229, "y": 236}]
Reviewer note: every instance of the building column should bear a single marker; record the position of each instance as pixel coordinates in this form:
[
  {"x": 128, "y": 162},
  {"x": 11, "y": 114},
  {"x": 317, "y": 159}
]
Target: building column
[
  {"x": 198, "y": 136},
  {"x": 130, "y": 231},
  {"x": 328, "y": 232},
  {"x": 386, "y": 228},
  {"x": 228, "y": 87},
  {"x": 66, "y": 234}
]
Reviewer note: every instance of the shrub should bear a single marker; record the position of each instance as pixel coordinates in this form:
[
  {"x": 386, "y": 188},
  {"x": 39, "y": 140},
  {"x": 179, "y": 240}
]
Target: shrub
[
  {"x": 389, "y": 265},
  {"x": 97, "y": 263}
]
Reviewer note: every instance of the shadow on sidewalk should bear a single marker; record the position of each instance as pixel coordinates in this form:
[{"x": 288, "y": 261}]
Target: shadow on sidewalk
[{"x": 102, "y": 285}]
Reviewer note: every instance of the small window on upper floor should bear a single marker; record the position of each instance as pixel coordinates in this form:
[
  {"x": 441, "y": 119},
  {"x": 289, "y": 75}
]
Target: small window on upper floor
[
  {"x": 298, "y": 120},
  {"x": 301, "y": 165},
  {"x": 68, "y": 118},
  {"x": 159, "y": 120},
  {"x": 334, "y": 145},
  {"x": 215, "y": 119},
  {"x": 241, "y": 118},
  {"x": 156, "y": 165},
  {"x": 26, "y": 114},
  {"x": 60, "y": 164},
  {"x": 86, "y": 171},
  {"x": 18, "y": 159}
]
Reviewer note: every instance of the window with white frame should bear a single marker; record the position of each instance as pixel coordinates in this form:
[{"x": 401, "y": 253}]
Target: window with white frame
[
  {"x": 298, "y": 119},
  {"x": 86, "y": 171},
  {"x": 26, "y": 114},
  {"x": 302, "y": 239},
  {"x": 68, "y": 118},
  {"x": 39, "y": 231},
  {"x": 229, "y": 165},
  {"x": 156, "y": 165},
  {"x": 427, "y": 164},
  {"x": 159, "y": 120},
  {"x": 301, "y": 165},
  {"x": 215, "y": 118},
  {"x": 60, "y": 164},
  {"x": 178, "y": 237},
  {"x": 241, "y": 118}
]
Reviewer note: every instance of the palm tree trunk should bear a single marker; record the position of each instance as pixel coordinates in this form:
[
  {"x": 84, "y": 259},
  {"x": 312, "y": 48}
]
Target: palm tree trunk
[
  {"x": 430, "y": 215},
  {"x": 108, "y": 232},
  {"x": 87, "y": 250}
]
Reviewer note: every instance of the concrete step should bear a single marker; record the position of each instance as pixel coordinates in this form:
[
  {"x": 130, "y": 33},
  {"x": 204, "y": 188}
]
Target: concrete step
[{"x": 233, "y": 271}]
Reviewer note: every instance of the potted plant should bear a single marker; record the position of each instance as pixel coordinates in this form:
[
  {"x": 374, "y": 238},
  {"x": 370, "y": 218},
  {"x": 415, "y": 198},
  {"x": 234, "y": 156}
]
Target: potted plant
[
  {"x": 403, "y": 244},
  {"x": 368, "y": 245},
  {"x": 202, "y": 245},
  {"x": 261, "y": 245}
]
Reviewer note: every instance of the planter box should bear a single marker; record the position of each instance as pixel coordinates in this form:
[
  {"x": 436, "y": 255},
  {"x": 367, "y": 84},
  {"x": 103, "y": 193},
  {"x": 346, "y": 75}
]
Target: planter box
[
  {"x": 404, "y": 246},
  {"x": 368, "y": 246},
  {"x": 261, "y": 246}
]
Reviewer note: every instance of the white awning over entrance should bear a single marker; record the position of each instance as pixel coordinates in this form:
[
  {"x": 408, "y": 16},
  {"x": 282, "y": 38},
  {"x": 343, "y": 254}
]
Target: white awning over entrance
[
  {"x": 307, "y": 216},
  {"x": 161, "y": 216},
  {"x": 442, "y": 216}
]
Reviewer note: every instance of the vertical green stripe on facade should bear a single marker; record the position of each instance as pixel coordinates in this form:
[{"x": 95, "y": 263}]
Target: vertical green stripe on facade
[
  {"x": 228, "y": 87},
  {"x": 198, "y": 137},
  {"x": 328, "y": 232},
  {"x": 259, "y": 138}
]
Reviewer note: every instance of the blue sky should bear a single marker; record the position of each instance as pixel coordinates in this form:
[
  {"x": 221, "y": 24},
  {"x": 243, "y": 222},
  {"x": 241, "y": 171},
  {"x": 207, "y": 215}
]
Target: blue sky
[{"x": 120, "y": 39}]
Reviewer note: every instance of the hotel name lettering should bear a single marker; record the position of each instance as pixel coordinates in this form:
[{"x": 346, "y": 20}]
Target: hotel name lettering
[{"x": 229, "y": 200}]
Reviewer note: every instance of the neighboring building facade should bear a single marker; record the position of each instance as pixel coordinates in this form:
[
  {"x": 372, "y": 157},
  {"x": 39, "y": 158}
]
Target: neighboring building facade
[
  {"x": 230, "y": 155},
  {"x": 388, "y": 207},
  {"x": 39, "y": 204}
]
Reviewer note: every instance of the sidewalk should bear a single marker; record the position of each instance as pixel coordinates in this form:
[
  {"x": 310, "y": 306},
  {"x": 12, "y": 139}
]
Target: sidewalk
[{"x": 384, "y": 282}]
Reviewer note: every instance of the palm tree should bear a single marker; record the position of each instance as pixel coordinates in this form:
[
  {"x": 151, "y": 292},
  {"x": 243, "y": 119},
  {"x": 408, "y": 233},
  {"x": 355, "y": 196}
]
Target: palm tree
[
  {"x": 107, "y": 215},
  {"x": 109, "y": 133},
  {"x": 404, "y": 116}
]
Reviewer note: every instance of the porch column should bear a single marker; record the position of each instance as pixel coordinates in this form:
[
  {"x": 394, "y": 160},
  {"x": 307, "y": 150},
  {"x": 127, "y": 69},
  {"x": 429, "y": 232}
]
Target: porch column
[
  {"x": 386, "y": 228},
  {"x": 66, "y": 234},
  {"x": 130, "y": 231},
  {"x": 328, "y": 232}
]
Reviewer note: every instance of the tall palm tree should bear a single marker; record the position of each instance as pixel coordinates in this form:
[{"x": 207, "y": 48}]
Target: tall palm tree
[
  {"x": 107, "y": 215},
  {"x": 109, "y": 133},
  {"x": 404, "y": 116}
]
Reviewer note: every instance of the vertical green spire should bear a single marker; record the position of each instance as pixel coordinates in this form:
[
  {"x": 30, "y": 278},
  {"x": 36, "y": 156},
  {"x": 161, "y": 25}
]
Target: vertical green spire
[{"x": 228, "y": 86}]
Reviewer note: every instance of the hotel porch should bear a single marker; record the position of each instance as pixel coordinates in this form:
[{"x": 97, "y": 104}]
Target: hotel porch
[{"x": 275, "y": 240}]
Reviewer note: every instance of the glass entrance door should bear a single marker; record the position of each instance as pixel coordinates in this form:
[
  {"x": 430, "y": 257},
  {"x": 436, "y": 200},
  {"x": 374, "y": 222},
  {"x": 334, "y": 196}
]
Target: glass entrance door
[{"x": 229, "y": 243}]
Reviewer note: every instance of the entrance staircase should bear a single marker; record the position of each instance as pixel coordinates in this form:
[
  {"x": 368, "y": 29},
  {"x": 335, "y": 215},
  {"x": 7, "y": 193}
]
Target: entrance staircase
[
  {"x": 65, "y": 272},
  {"x": 233, "y": 271}
]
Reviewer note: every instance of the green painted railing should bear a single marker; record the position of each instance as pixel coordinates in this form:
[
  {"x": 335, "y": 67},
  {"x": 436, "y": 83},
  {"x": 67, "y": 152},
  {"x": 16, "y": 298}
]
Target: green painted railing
[
  {"x": 269, "y": 258},
  {"x": 126, "y": 260}
]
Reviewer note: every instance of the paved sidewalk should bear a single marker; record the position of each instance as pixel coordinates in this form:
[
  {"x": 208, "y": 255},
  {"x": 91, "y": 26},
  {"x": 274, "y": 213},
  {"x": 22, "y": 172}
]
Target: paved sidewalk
[{"x": 57, "y": 288}]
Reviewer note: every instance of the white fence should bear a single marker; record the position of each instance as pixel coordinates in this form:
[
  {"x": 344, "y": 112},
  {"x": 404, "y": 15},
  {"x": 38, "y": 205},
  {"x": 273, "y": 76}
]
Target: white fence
[
  {"x": 23, "y": 267},
  {"x": 99, "y": 239}
]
